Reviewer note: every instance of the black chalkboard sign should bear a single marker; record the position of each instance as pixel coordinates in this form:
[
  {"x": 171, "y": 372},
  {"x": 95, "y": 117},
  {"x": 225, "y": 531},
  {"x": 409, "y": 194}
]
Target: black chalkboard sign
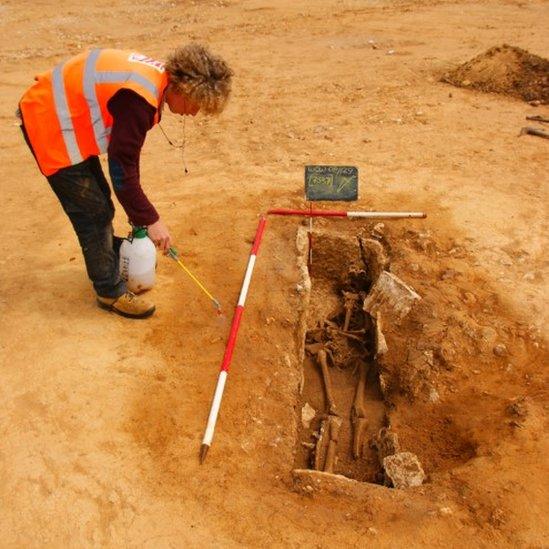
[{"x": 331, "y": 183}]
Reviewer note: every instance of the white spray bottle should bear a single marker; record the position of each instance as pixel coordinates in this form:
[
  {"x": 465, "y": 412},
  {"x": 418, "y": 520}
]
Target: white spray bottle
[{"x": 138, "y": 261}]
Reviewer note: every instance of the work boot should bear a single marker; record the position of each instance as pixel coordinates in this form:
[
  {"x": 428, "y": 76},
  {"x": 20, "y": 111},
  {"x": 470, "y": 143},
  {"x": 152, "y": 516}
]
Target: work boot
[{"x": 128, "y": 305}]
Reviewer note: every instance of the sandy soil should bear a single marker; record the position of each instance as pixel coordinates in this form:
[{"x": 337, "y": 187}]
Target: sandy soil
[{"x": 101, "y": 418}]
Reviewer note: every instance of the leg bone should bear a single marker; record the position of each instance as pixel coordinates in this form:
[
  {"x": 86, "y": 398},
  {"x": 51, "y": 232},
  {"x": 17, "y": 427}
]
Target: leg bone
[
  {"x": 323, "y": 361},
  {"x": 334, "y": 424},
  {"x": 358, "y": 412}
]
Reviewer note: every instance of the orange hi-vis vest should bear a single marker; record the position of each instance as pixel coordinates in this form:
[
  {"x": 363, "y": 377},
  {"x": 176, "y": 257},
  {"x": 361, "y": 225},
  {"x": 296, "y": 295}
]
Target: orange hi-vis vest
[{"x": 65, "y": 112}]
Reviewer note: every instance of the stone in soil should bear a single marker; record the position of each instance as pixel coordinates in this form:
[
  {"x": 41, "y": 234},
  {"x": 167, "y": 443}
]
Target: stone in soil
[
  {"x": 307, "y": 415},
  {"x": 403, "y": 470},
  {"x": 392, "y": 297}
]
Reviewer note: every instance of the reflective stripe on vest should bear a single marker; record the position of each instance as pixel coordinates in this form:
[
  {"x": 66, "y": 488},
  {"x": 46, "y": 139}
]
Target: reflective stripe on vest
[
  {"x": 91, "y": 79},
  {"x": 64, "y": 115},
  {"x": 91, "y": 98}
]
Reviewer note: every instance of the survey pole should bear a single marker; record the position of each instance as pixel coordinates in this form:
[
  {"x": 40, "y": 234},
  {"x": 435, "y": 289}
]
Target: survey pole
[{"x": 226, "y": 362}]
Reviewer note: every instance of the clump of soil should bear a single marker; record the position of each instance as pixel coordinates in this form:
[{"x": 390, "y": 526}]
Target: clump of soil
[{"x": 506, "y": 70}]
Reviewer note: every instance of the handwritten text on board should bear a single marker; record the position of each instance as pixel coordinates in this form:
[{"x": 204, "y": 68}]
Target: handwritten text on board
[{"x": 331, "y": 183}]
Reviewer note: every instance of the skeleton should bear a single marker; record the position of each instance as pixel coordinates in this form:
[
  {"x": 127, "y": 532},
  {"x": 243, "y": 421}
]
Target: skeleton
[{"x": 325, "y": 341}]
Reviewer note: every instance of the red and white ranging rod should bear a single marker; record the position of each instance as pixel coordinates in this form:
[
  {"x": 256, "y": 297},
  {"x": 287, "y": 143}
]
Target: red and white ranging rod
[
  {"x": 226, "y": 362},
  {"x": 342, "y": 213}
]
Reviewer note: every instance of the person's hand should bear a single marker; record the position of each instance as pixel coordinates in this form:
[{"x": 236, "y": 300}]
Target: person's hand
[{"x": 159, "y": 234}]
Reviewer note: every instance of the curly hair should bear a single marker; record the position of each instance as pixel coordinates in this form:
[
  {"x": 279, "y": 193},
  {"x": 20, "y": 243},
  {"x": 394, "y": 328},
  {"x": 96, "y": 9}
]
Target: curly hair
[{"x": 203, "y": 77}]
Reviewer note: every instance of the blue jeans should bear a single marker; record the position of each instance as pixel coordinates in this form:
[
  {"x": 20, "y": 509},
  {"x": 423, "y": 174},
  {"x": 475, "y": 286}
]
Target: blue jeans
[{"x": 85, "y": 196}]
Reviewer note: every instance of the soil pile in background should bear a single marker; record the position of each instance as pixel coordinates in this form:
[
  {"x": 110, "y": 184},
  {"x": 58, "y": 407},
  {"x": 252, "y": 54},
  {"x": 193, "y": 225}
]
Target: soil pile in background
[{"x": 506, "y": 70}]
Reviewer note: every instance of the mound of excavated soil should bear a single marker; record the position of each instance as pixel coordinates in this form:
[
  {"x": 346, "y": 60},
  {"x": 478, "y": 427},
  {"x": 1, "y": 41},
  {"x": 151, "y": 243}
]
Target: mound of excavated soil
[{"x": 506, "y": 70}]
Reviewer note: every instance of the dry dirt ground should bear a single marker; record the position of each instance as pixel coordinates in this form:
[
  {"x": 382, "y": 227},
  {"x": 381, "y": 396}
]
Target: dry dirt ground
[{"x": 101, "y": 418}]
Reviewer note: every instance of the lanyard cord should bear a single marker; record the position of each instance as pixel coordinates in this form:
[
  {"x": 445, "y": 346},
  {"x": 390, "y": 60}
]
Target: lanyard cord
[{"x": 182, "y": 146}]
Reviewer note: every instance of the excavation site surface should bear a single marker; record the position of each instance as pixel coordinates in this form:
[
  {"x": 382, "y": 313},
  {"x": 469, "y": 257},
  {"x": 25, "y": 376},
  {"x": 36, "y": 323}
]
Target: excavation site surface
[{"x": 101, "y": 418}]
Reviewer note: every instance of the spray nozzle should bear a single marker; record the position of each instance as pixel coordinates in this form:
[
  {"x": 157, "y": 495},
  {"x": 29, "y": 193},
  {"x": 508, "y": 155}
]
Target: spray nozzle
[{"x": 172, "y": 252}]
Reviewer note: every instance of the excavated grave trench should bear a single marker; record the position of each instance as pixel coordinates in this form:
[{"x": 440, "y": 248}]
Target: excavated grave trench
[{"x": 344, "y": 422}]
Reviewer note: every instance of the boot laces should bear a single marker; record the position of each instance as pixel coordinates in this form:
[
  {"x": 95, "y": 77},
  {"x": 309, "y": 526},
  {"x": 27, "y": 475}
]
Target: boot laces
[{"x": 131, "y": 296}]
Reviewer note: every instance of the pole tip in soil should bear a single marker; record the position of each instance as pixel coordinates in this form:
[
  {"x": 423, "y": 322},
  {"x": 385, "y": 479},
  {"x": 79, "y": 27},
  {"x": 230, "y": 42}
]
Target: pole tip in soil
[{"x": 203, "y": 451}]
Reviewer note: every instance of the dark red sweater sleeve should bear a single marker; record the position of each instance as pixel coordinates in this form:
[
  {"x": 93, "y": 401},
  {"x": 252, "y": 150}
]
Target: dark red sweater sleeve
[{"x": 133, "y": 117}]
